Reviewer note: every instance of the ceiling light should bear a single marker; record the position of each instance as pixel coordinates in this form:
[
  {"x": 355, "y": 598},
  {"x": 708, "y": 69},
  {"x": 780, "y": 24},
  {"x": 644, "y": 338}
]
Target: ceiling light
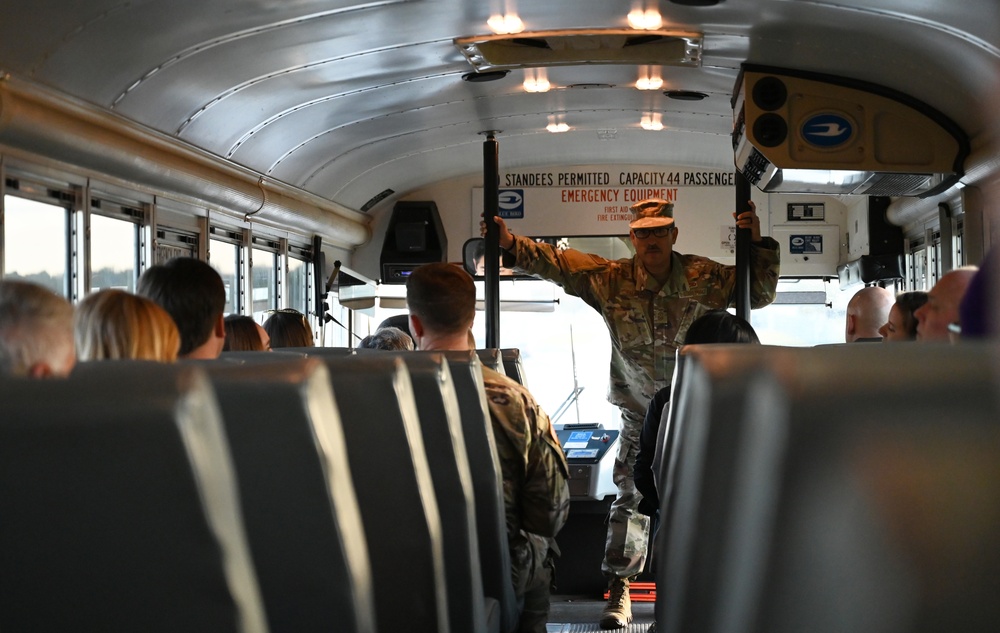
[
  {"x": 505, "y": 24},
  {"x": 537, "y": 85},
  {"x": 652, "y": 122},
  {"x": 649, "y": 80},
  {"x": 556, "y": 128},
  {"x": 648, "y": 20}
]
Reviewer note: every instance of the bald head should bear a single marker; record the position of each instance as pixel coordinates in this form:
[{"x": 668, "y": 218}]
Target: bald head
[
  {"x": 942, "y": 304},
  {"x": 867, "y": 310}
]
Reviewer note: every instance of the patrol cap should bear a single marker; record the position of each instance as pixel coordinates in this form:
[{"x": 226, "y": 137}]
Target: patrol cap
[{"x": 651, "y": 213}]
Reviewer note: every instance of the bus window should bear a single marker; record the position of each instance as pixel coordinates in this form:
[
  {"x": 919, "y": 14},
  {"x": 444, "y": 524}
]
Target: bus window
[
  {"x": 32, "y": 250},
  {"x": 299, "y": 283},
  {"x": 114, "y": 253},
  {"x": 225, "y": 259},
  {"x": 264, "y": 275},
  {"x": 805, "y": 312}
]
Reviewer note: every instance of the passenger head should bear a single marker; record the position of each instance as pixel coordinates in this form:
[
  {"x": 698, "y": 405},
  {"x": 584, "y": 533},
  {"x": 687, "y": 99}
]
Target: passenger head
[
  {"x": 941, "y": 308},
  {"x": 288, "y": 328},
  {"x": 193, "y": 294},
  {"x": 901, "y": 325},
  {"x": 36, "y": 331},
  {"x": 399, "y": 321},
  {"x": 977, "y": 312},
  {"x": 114, "y": 324},
  {"x": 718, "y": 326},
  {"x": 867, "y": 312},
  {"x": 243, "y": 334},
  {"x": 387, "y": 338},
  {"x": 442, "y": 302},
  {"x": 653, "y": 233}
]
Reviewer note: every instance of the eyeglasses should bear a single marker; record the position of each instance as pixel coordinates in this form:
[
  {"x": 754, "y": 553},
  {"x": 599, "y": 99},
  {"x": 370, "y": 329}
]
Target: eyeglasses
[{"x": 660, "y": 231}]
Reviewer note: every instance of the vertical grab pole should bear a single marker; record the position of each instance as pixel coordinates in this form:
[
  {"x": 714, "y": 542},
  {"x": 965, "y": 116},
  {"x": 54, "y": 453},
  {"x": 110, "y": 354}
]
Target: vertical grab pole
[
  {"x": 743, "y": 238},
  {"x": 491, "y": 263}
]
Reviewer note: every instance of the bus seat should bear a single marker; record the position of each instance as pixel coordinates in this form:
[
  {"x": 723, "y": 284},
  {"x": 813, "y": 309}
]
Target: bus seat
[
  {"x": 699, "y": 446},
  {"x": 318, "y": 351},
  {"x": 492, "y": 358},
  {"x": 512, "y": 365},
  {"x": 298, "y": 500},
  {"x": 119, "y": 506},
  {"x": 395, "y": 490},
  {"x": 243, "y": 356},
  {"x": 487, "y": 485},
  {"x": 864, "y": 492},
  {"x": 441, "y": 427}
]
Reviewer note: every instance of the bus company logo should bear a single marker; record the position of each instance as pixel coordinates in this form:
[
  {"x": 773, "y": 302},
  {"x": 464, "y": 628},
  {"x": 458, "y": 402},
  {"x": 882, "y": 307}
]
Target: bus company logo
[
  {"x": 827, "y": 130},
  {"x": 511, "y": 203}
]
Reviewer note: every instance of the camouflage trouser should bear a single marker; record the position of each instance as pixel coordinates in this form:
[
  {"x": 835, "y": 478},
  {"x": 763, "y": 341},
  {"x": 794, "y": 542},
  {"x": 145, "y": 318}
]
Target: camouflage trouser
[
  {"x": 628, "y": 529},
  {"x": 533, "y": 562}
]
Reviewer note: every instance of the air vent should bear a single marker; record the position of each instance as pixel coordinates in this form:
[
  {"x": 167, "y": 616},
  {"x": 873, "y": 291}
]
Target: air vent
[
  {"x": 483, "y": 77},
  {"x": 573, "y": 47},
  {"x": 685, "y": 95}
]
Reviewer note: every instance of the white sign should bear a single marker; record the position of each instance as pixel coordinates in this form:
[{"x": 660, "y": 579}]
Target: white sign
[{"x": 592, "y": 203}]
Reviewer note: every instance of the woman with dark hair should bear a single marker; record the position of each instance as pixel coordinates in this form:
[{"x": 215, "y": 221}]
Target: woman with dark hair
[
  {"x": 902, "y": 325},
  {"x": 288, "y": 328},
  {"x": 715, "y": 326},
  {"x": 243, "y": 334}
]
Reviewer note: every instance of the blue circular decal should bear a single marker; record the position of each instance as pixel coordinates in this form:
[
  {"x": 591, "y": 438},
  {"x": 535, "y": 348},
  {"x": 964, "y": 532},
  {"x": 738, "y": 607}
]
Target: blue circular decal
[
  {"x": 511, "y": 199},
  {"x": 827, "y": 130}
]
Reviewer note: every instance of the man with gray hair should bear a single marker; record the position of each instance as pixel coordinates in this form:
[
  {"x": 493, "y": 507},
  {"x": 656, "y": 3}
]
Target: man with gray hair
[
  {"x": 387, "y": 338},
  {"x": 36, "y": 331}
]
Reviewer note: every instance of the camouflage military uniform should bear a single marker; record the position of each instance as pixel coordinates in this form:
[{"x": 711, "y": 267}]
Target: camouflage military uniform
[
  {"x": 647, "y": 325},
  {"x": 536, "y": 496}
]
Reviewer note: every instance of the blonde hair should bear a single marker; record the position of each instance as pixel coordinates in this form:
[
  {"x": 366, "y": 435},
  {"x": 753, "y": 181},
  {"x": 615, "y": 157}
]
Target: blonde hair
[{"x": 114, "y": 324}]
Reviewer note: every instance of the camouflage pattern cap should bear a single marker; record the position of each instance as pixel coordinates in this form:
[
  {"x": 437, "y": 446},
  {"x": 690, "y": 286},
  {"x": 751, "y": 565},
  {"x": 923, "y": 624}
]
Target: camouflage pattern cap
[{"x": 651, "y": 213}]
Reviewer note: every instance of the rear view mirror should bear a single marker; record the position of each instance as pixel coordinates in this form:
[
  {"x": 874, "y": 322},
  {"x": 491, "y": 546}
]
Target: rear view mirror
[{"x": 473, "y": 255}]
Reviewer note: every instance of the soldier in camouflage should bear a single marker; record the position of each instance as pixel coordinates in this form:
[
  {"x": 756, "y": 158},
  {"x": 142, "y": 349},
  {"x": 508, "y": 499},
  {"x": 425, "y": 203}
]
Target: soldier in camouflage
[
  {"x": 442, "y": 299},
  {"x": 648, "y": 302}
]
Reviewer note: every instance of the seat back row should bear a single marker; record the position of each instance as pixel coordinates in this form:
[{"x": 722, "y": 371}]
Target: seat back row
[
  {"x": 839, "y": 488},
  {"x": 335, "y": 517}
]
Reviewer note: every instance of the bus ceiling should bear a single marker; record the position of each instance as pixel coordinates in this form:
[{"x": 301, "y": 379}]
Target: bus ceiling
[{"x": 316, "y": 109}]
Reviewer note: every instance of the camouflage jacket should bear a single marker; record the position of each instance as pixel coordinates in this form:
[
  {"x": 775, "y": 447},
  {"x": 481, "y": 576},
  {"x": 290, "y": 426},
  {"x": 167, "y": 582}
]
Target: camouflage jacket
[
  {"x": 647, "y": 322},
  {"x": 536, "y": 496}
]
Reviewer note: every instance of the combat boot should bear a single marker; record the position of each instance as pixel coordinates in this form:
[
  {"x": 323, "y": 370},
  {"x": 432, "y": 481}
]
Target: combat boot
[{"x": 618, "y": 611}]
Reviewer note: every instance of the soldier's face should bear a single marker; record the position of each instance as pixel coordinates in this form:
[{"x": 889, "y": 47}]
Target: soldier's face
[{"x": 654, "y": 252}]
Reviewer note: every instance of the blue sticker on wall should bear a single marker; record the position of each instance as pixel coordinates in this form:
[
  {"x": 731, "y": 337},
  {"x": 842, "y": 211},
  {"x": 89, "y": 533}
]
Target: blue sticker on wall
[
  {"x": 827, "y": 130},
  {"x": 805, "y": 245},
  {"x": 511, "y": 203}
]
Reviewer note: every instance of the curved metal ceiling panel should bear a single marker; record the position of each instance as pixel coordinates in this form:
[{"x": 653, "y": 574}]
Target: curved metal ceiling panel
[{"x": 340, "y": 98}]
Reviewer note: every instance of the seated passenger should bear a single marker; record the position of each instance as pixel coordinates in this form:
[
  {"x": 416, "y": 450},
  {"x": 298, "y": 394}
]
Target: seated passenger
[
  {"x": 901, "y": 325},
  {"x": 941, "y": 309},
  {"x": 288, "y": 328},
  {"x": 977, "y": 312},
  {"x": 442, "y": 302},
  {"x": 243, "y": 334},
  {"x": 36, "y": 331},
  {"x": 715, "y": 326},
  {"x": 400, "y": 322},
  {"x": 194, "y": 296},
  {"x": 114, "y": 324},
  {"x": 867, "y": 311},
  {"x": 387, "y": 338}
]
